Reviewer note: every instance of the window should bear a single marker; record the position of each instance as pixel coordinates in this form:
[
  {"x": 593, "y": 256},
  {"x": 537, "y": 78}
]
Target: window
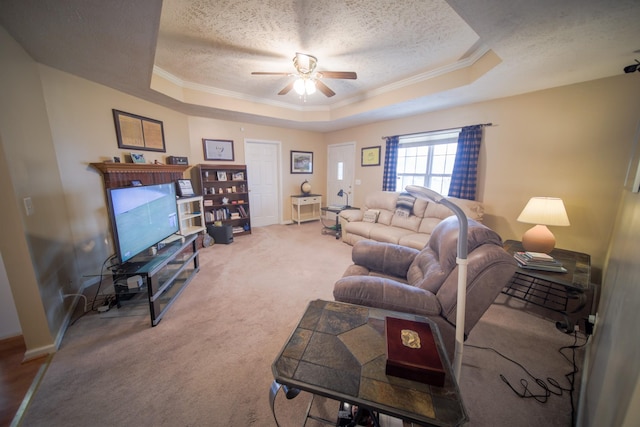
[{"x": 427, "y": 159}]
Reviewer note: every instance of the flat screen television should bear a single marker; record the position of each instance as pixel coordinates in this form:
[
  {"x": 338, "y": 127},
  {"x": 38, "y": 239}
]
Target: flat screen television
[{"x": 141, "y": 217}]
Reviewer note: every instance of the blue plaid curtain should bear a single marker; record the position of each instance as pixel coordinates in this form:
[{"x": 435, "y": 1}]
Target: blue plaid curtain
[
  {"x": 465, "y": 168},
  {"x": 390, "y": 174}
]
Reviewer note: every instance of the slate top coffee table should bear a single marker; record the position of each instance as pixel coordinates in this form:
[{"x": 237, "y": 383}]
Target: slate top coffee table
[{"x": 338, "y": 351}]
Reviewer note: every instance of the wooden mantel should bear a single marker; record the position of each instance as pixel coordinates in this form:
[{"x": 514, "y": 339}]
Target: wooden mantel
[{"x": 121, "y": 174}]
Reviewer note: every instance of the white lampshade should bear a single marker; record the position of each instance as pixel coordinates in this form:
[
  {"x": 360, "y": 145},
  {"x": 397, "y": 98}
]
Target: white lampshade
[
  {"x": 542, "y": 211},
  {"x": 545, "y": 211}
]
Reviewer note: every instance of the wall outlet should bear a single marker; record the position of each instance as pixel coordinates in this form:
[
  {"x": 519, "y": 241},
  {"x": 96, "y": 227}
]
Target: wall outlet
[{"x": 592, "y": 321}]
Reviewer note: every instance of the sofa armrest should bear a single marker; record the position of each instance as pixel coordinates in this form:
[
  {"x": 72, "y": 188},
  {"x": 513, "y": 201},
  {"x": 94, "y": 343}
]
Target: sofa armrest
[
  {"x": 387, "y": 294},
  {"x": 351, "y": 215},
  {"x": 386, "y": 258}
]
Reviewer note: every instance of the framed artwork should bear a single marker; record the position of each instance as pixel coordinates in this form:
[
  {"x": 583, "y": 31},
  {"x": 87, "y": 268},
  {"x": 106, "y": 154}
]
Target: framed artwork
[
  {"x": 138, "y": 133},
  {"x": 185, "y": 189},
  {"x": 301, "y": 161},
  {"x": 218, "y": 149},
  {"x": 137, "y": 157},
  {"x": 370, "y": 156},
  {"x": 222, "y": 175},
  {"x": 238, "y": 176}
]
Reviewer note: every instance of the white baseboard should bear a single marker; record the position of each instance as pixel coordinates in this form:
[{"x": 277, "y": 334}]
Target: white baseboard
[{"x": 39, "y": 352}]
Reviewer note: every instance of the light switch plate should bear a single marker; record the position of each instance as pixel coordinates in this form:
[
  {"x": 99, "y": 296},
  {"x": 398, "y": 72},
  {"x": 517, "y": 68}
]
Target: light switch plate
[{"x": 28, "y": 206}]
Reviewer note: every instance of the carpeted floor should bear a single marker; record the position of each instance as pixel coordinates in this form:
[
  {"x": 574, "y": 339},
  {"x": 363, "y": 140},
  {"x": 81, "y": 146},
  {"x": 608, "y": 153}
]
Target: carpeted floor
[{"x": 208, "y": 363}]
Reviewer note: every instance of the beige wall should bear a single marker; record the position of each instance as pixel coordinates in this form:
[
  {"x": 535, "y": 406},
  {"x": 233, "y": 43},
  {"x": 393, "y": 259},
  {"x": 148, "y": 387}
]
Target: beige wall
[
  {"x": 82, "y": 125},
  {"x": 28, "y": 169},
  {"x": 571, "y": 142},
  {"x": 289, "y": 139},
  {"x": 609, "y": 396}
]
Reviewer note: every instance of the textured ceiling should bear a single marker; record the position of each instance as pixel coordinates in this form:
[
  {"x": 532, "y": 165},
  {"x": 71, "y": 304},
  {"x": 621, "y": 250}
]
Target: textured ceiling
[
  {"x": 219, "y": 45},
  {"x": 411, "y": 56}
]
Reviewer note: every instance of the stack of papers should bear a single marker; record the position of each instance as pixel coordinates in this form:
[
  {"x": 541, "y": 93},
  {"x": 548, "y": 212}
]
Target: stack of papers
[{"x": 538, "y": 261}]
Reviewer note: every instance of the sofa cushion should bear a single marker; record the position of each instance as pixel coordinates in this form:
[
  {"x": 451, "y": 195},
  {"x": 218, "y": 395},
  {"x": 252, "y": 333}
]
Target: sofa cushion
[
  {"x": 408, "y": 223},
  {"x": 383, "y": 200},
  {"x": 371, "y": 215},
  {"x": 360, "y": 228},
  {"x": 383, "y": 233},
  {"x": 415, "y": 240},
  {"x": 436, "y": 261}
]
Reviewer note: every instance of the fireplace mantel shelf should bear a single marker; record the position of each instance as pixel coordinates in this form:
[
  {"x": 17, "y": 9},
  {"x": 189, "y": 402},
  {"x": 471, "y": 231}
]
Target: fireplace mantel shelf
[{"x": 112, "y": 167}]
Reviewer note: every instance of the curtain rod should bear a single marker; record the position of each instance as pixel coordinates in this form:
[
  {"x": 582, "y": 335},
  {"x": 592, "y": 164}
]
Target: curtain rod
[{"x": 438, "y": 130}]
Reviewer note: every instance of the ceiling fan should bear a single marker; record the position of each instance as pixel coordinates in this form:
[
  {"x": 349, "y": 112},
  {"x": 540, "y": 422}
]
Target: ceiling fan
[{"x": 307, "y": 78}]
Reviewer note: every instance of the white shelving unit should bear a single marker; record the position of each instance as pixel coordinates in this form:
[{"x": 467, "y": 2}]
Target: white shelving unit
[{"x": 191, "y": 215}]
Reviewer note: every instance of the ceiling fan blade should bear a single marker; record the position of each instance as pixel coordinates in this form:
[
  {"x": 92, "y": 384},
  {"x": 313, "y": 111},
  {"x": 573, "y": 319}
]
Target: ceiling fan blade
[
  {"x": 338, "y": 75},
  {"x": 286, "y": 89},
  {"x": 324, "y": 89},
  {"x": 267, "y": 73}
]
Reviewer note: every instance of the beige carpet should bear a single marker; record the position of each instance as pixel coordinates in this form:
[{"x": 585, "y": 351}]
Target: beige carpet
[{"x": 208, "y": 362}]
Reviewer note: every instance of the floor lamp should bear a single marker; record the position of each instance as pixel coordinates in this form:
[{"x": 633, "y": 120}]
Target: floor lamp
[{"x": 461, "y": 260}]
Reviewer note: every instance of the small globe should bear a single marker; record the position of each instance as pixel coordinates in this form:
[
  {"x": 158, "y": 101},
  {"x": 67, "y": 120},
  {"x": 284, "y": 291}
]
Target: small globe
[{"x": 305, "y": 187}]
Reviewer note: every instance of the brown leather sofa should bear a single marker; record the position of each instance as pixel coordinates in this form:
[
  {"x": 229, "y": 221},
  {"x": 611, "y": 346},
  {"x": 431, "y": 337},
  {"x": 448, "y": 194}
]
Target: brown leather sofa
[{"x": 425, "y": 282}]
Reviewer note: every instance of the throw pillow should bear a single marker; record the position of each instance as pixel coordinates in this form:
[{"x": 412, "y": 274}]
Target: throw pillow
[
  {"x": 371, "y": 215},
  {"x": 404, "y": 205}
]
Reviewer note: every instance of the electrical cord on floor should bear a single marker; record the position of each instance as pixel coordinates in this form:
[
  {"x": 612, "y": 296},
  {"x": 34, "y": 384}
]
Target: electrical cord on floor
[
  {"x": 104, "y": 266},
  {"x": 549, "y": 387},
  {"x": 105, "y": 300}
]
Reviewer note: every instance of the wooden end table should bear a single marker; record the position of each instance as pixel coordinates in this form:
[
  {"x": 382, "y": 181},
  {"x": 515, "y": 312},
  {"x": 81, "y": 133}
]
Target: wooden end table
[{"x": 564, "y": 293}]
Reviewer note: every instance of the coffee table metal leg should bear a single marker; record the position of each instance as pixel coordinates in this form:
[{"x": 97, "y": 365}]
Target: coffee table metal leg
[{"x": 289, "y": 393}]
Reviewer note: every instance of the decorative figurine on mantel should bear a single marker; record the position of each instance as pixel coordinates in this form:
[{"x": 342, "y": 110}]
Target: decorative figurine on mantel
[{"x": 305, "y": 187}]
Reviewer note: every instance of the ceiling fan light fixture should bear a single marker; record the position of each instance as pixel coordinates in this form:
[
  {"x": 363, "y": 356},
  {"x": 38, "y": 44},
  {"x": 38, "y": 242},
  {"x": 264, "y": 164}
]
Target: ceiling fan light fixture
[
  {"x": 304, "y": 86},
  {"x": 298, "y": 86},
  {"x": 310, "y": 87}
]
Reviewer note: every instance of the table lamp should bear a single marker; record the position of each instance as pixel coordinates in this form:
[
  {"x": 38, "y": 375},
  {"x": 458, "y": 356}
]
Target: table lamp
[
  {"x": 342, "y": 193},
  {"x": 461, "y": 260},
  {"x": 542, "y": 211}
]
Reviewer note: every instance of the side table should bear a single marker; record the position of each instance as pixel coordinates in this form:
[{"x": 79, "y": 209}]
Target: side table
[
  {"x": 298, "y": 201},
  {"x": 564, "y": 293},
  {"x": 334, "y": 229},
  {"x": 338, "y": 351}
]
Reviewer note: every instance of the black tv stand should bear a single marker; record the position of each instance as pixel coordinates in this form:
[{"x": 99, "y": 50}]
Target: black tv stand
[{"x": 164, "y": 276}]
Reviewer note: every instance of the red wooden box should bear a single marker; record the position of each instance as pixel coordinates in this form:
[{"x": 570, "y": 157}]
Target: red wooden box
[{"x": 417, "y": 364}]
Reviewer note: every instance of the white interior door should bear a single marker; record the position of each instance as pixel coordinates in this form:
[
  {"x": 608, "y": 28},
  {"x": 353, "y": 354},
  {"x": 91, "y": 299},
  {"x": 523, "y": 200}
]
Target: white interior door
[
  {"x": 263, "y": 171},
  {"x": 340, "y": 173}
]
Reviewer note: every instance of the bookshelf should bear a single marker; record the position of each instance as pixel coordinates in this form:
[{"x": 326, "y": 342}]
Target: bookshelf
[
  {"x": 190, "y": 215},
  {"x": 225, "y": 193}
]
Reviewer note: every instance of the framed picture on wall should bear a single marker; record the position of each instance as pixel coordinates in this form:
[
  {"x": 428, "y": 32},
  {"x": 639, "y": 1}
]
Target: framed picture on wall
[
  {"x": 218, "y": 149},
  {"x": 301, "y": 161},
  {"x": 370, "y": 156},
  {"x": 138, "y": 133}
]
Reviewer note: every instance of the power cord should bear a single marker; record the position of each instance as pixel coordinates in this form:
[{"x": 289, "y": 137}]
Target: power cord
[
  {"x": 106, "y": 301},
  {"x": 104, "y": 266},
  {"x": 549, "y": 387}
]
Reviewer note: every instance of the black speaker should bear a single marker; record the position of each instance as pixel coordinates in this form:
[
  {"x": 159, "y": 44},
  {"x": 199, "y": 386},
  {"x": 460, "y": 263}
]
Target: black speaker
[{"x": 221, "y": 234}]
